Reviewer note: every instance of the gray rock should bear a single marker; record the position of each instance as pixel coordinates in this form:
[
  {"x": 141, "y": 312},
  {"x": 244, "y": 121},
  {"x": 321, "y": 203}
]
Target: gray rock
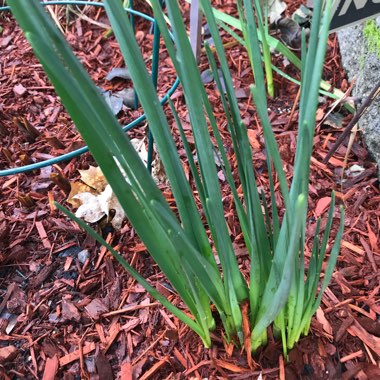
[
  {"x": 361, "y": 60},
  {"x": 83, "y": 256}
]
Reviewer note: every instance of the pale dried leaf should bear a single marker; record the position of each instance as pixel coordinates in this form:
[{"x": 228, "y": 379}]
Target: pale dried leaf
[
  {"x": 95, "y": 198},
  {"x": 275, "y": 9},
  {"x": 108, "y": 201},
  {"x": 90, "y": 210},
  {"x": 77, "y": 188},
  {"x": 93, "y": 177},
  {"x": 140, "y": 148}
]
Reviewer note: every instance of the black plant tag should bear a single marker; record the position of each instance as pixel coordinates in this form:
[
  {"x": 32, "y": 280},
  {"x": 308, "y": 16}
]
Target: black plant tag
[{"x": 350, "y": 12}]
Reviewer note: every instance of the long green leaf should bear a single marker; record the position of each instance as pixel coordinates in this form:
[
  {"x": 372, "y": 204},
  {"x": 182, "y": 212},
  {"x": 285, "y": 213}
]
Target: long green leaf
[
  {"x": 159, "y": 126},
  {"x": 188, "y": 72},
  {"x": 277, "y": 299}
]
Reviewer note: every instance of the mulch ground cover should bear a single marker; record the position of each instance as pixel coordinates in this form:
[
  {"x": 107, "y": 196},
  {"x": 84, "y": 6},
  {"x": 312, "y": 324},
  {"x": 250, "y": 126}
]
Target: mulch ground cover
[{"x": 68, "y": 310}]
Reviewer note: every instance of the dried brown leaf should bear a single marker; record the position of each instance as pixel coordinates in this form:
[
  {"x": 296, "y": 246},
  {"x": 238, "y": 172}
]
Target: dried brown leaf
[
  {"x": 77, "y": 188},
  {"x": 94, "y": 178}
]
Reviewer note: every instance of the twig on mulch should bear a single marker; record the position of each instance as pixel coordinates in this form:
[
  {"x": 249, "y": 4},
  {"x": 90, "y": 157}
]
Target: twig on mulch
[{"x": 368, "y": 101}]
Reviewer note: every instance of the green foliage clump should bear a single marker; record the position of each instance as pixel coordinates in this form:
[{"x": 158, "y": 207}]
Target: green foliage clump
[
  {"x": 206, "y": 275},
  {"x": 372, "y": 34}
]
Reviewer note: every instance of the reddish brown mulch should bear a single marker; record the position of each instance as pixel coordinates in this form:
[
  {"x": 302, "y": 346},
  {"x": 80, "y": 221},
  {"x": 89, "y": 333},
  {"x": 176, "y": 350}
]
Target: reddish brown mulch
[{"x": 67, "y": 309}]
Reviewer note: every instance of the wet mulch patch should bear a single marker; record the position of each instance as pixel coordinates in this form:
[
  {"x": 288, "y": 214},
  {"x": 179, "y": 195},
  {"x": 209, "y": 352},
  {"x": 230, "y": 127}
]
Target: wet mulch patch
[{"x": 67, "y": 310}]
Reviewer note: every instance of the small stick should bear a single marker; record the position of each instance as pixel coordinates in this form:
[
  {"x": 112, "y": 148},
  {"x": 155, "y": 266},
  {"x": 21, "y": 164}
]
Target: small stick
[
  {"x": 370, "y": 354},
  {"x": 354, "y": 121},
  {"x": 354, "y": 355},
  {"x": 337, "y": 102},
  {"x": 129, "y": 309},
  {"x": 282, "y": 367},
  {"x": 293, "y": 109},
  {"x": 150, "y": 347}
]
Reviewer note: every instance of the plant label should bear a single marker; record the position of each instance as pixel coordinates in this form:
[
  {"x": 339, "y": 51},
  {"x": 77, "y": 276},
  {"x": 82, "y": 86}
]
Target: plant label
[{"x": 350, "y": 12}]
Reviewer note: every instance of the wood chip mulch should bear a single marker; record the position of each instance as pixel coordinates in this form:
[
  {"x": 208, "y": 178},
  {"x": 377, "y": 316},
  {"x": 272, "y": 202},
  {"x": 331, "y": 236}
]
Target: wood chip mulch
[{"x": 67, "y": 309}]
